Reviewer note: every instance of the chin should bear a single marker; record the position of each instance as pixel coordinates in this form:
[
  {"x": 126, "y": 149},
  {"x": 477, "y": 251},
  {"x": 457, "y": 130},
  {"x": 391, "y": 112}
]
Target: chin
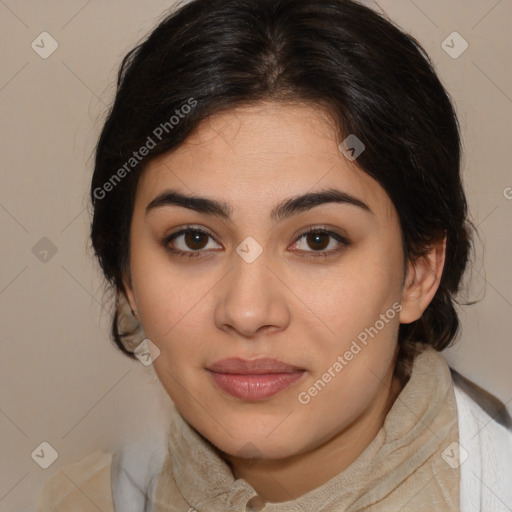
[
  {"x": 254, "y": 443},
  {"x": 254, "y": 449}
]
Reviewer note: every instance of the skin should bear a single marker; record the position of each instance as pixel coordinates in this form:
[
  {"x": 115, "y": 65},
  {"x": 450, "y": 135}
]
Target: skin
[{"x": 303, "y": 311}]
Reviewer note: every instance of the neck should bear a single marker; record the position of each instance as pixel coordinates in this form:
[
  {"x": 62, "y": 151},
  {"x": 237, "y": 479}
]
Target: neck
[{"x": 287, "y": 479}]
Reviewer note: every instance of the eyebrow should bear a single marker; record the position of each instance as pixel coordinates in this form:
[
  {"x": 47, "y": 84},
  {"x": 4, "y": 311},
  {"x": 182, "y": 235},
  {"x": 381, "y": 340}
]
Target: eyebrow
[{"x": 283, "y": 210}]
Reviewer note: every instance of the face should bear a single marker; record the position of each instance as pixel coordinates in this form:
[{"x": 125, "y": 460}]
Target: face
[{"x": 276, "y": 318}]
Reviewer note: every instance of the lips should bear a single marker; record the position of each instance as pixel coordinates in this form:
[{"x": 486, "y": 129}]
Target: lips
[
  {"x": 256, "y": 379},
  {"x": 255, "y": 366}
]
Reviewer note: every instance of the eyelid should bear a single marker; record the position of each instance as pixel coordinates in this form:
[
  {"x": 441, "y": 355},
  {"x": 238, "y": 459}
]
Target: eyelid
[
  {"x": 322, "y": 228},
  {"x": 183, "y": 230},
  {"x": 341, "y": 239}
]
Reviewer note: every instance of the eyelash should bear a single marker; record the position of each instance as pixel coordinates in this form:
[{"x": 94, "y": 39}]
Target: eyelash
[{"x": 199, "y": 253}]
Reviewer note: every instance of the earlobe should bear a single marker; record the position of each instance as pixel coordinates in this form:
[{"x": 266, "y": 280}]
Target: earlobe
[{"x": 422, "y": 281}]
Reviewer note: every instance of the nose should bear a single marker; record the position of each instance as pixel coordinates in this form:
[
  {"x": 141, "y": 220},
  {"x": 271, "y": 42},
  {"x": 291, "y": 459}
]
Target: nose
[{"x": 252, "y": 300}]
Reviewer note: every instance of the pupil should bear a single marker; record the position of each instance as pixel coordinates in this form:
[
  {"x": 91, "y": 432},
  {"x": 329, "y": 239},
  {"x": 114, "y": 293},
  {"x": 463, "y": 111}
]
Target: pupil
[
  {"x": 193, "y": 238},
  {"x": 316, "y": 239}
]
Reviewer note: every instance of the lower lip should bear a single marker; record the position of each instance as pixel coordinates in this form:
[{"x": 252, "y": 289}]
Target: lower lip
[{"x": 255, "y": 387}]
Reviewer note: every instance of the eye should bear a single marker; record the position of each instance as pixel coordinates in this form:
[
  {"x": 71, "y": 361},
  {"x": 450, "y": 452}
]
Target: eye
[
  {"x": 320, "y": 239},
  {"x": 193, "y": 242},
  {"x": 194, "y": 239}
]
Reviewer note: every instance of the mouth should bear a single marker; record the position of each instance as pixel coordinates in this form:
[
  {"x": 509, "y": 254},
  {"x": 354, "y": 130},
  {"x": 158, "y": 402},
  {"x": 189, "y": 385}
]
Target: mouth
[{"x": 254, "y": 380}]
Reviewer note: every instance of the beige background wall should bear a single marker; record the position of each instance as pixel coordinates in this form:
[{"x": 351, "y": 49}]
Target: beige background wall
[{"x": 61, "y": 381}]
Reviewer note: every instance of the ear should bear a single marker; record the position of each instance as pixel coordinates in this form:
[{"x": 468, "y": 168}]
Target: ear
[
  {"x": 130, "y": 295},
  {"x": 421, "y": 283}
]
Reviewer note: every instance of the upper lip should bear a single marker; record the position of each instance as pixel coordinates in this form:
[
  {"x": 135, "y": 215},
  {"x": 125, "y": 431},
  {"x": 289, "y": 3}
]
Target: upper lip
[{"x": 263, "y": 365}]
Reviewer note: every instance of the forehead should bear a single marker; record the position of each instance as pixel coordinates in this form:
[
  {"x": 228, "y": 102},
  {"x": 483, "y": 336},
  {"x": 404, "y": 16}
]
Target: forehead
[{"x": 269, "y": 150}]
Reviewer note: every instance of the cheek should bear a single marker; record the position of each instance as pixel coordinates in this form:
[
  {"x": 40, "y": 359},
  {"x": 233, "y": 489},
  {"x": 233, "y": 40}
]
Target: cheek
[
  {"x": 350, "y": 364},
  {"x": 338, "y": 398},
  {"x": 166, "y": 292},
  {"x": 352, "y": 296},
  {"x": 360, "y": 307}
]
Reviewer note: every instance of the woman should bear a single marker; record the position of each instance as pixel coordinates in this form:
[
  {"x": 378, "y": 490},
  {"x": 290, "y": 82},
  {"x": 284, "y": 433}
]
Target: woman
[{"x": 279, "y": 209}]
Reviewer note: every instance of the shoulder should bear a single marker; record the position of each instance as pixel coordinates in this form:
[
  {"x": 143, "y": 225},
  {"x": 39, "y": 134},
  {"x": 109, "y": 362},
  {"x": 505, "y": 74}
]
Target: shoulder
[
  {"x": 84, "y": 485},
  {"x": 482, "y": 417},
  {"x": 486, "y": 402},
  {"x": 485, "y": 447},
  {"x": 136, "y": 468},
  {"x": 123, "y": 480}
]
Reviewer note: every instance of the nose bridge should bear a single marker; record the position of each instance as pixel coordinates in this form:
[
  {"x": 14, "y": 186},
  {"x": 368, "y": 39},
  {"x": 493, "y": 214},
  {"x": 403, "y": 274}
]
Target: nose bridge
[{"x": 251, "y": 295}]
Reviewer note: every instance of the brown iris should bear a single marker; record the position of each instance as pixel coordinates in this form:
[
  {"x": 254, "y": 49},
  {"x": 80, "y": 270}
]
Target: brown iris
[
  {"x": 193, "y": 240},
  {"x": 314, "y": 240}
]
